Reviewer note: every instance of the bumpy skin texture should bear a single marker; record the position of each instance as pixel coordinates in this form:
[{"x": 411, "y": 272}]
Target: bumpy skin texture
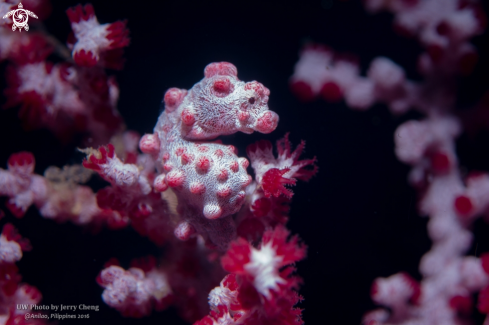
[
  {"x": 208, "y": 177},
  {"x": 212, "y": 199}
]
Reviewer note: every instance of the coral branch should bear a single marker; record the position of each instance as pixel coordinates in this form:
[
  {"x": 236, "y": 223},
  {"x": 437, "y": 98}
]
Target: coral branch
[
  {"x": 259, "y": 289},
  {"x": 444, "y": 28},
  {"x": 272, "y": 174},
  {"x": 135, "y": 291},
  {"x": 94, "y": 42}
]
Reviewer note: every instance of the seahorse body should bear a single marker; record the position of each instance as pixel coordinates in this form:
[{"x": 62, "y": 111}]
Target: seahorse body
[{"x": 207, "y": 176}]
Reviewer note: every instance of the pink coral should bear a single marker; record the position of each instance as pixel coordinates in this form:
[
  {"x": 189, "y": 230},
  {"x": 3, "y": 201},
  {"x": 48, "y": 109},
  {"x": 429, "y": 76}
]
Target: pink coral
[
  {"x": 208, "y": 178},
  {"x": 272, "y": 174},
  {"x": 187, "y": 191},
  {"x": 191, "y": 192},
  {"x": 133, "y": 292},
  {"x": 64, "y": 97},
  {"x": 259, "y": 289},
  {"x": 95, "y": 42},
  {"x": 444, "y": 28},
  {"x": 12, "y": 291}
]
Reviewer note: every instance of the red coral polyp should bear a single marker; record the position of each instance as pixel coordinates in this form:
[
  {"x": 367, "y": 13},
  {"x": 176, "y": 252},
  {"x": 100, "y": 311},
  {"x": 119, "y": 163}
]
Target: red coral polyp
[
  {"x": 273, "y": 183},
  {"x": 99, "y": 157},
  {"x": 21, "y": 163}
]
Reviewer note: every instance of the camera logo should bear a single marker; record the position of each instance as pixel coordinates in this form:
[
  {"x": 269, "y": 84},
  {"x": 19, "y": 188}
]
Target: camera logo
[{"x": 20, "y": 16}]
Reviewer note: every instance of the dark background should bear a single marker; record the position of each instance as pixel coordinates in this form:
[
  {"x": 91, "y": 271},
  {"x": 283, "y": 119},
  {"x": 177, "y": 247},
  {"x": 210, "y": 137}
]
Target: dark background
[{"x": 358, "y": 215}]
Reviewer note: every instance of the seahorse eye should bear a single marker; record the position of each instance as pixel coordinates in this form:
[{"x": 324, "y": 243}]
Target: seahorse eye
[{"x": 251, "y": 100}]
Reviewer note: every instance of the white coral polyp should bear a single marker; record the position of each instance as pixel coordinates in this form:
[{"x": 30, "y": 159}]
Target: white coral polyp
[
  {"x": 159, "y": 285},
  {"x": 10, "y": 251},
  {"x": 35, "y": 78},
  {"x": 312, "y": 68},
  {"x": 386, "y": 74},
  {"x": 131, "y": 288},
  {"x": 361, "y": 95},
  {"x": 119, "y": 173},
  {"x": 222, "y": 296},
  {"x": 56, "y": 93},
  {"x": 91, "y": 36},
  {"x": 393, "y": 290},
  {"x": 263, "y": 266}
]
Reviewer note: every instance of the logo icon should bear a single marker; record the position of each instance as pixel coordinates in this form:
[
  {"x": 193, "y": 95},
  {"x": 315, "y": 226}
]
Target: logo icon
[{"x": 20, "y": 16}]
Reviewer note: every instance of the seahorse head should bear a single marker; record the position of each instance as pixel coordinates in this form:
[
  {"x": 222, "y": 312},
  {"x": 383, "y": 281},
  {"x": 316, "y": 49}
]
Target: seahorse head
[{"x": 221, "y": 104}]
